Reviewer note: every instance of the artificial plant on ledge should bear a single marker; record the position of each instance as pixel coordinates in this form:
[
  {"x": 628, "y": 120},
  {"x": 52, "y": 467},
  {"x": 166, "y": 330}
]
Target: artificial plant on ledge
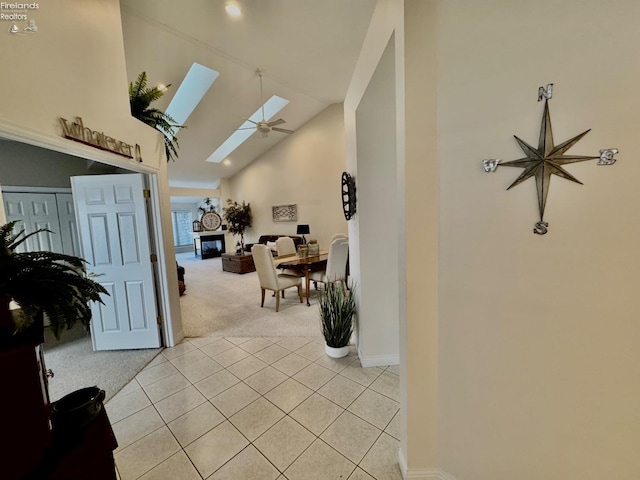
[{"x": 141, "y": 97}]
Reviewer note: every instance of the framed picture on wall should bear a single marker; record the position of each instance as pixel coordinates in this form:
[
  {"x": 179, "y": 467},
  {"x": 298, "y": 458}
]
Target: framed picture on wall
[{"x": 285, "y": 213}]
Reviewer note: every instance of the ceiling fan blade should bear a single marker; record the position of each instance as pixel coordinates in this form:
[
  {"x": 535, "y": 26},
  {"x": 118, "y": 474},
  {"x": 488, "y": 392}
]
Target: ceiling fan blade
[
  {"x": 279, "y": 121},
  {"x": 249, "y": 120},
  {"x": 283, "y": 130},
  {"x": 246, "y": 128}
]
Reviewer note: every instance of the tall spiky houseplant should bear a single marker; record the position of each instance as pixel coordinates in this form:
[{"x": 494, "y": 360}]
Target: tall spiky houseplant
[
  {"x": 337, "y": 308},
  {"x": 141, "y": 97},
  {"x": 42, "y": 283}
]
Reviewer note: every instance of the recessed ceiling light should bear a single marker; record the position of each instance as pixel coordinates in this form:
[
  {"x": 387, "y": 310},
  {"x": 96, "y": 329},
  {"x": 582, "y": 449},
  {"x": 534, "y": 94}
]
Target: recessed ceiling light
[
  {"x": 227, "y": 161},
  {"x": 233, "y": 10},
  {"x": 161, "y": 86}
]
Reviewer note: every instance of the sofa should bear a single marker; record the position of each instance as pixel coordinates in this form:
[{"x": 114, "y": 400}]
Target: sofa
[{"x": 271, "y": 239}]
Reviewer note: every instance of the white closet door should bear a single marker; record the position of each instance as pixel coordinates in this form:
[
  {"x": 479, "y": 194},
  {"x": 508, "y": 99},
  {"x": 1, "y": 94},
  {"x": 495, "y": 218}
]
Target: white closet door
[
  {"x": 34, "y": 211},
  {"x": 15, "y": 207},
  {"x": 68, "y": 225}
]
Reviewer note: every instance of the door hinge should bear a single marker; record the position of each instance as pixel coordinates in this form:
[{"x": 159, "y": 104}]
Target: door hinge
[
  {"x": 146, "y": 193},
  {"x": 159, "y": 319},
  {"x": 154, "y": 258}
]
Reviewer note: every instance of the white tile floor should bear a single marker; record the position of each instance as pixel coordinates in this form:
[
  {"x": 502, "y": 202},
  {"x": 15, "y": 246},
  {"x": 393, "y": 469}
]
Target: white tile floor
[{"x": 257, "y": 409}]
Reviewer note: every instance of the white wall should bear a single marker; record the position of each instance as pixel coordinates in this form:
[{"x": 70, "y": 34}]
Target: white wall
[
  {"x": 75, "y": 66},
  {"x": 539, "y": 334},
  {"x": 304, "y": 169},
  {"x": 378, "y": 310}
]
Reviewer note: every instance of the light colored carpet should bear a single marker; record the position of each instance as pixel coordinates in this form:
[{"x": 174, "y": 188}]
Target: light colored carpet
[
  {"x": 225, "y": 304},
  {"x": 75, "y": 364}
]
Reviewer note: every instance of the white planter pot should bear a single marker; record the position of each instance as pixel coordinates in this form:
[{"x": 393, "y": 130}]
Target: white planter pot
[{"x": 336, "y": 352}]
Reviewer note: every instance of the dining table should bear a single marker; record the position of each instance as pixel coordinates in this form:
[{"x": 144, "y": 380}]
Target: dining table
[{"x": 304, "y": 265}]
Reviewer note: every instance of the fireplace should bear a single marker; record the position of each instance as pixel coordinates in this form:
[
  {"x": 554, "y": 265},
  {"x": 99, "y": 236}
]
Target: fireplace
[{"x": 212, "y": 245}]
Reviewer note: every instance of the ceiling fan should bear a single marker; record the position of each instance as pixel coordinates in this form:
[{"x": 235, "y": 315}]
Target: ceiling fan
[{"x": 263, "y": 126}]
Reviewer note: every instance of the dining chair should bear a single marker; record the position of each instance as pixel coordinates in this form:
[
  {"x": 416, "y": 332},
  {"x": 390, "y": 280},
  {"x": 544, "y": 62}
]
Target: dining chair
[
  {"x": 285, "y": 246},
  {"x": 269, "y": 278},
  {"x": 336, "y": 264},
  {"x": 337, "y": 236}
]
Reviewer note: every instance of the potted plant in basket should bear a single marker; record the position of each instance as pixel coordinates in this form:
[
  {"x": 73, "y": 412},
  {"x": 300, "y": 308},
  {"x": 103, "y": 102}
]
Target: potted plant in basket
[
  {"x": 337, "y": 309},
  {"x": 41, "y": 283},
  {"x": 238, "y": 218}
]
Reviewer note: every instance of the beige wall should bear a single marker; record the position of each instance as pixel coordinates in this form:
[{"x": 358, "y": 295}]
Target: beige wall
[
  {"x": 419, "y": 337},
  {"x": 75, "y": 66},
  {"x": 304, "y": 169},
  {"x": 377, "y": 213},
  {"x": 538, "y": 334}
]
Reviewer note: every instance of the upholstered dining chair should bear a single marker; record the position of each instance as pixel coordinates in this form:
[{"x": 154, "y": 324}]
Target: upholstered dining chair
[
  {"x": 269, "y": 278},
  {"x": 337, "y": 236},
  {"x": 285, "y": 246},
  {"x": 336, "y": 263}
]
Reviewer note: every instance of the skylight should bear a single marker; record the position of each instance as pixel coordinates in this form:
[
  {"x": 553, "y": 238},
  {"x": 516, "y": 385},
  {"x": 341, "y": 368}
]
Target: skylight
[
  {"x": 196, "y": 83},
  {"x": 271, "y": 107}
]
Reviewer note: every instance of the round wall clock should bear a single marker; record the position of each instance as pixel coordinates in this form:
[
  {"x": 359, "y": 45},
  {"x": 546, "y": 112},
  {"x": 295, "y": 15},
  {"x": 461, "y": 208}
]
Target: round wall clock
[
  {"x": 210, "y": 221},
  {"x": 348, "y": 195}
]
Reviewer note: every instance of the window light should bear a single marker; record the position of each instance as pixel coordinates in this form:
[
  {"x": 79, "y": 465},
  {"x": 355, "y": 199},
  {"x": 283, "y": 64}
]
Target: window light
[{"x": 195, "y": 84}]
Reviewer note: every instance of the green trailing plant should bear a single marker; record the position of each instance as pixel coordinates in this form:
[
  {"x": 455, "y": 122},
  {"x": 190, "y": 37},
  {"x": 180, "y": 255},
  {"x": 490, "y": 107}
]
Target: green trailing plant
[
  {"x": 48, "y": 283},
  {"x": 141, "y": 97},
  {"x": 337, "y": 309},
  {"x": 238, "y": 217}
]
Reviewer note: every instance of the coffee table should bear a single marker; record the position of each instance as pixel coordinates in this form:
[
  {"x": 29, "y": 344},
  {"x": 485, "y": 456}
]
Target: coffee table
[{"x": 232, "y": 262}]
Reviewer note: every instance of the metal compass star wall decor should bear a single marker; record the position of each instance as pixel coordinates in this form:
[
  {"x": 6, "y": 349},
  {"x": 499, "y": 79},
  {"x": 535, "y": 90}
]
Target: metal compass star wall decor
[{"x": 548, "y": 159}]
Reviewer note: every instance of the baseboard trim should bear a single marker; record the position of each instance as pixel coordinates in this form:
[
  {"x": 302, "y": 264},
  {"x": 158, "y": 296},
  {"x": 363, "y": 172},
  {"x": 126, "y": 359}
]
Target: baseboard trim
[
  {"x": 378, "y": 360},
  {"x": 432, "y": 473}
]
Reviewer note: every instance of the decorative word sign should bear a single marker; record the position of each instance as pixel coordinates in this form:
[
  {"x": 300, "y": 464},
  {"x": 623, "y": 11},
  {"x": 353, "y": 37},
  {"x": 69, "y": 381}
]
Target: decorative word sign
[
  {"x": 77, "y": 132},
  {"x": 547, "y": 159}
]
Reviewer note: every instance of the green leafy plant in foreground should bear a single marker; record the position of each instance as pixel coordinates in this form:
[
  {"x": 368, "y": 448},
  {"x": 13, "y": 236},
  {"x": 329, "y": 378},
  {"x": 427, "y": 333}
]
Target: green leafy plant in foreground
[{"x": 49, "y": 283}]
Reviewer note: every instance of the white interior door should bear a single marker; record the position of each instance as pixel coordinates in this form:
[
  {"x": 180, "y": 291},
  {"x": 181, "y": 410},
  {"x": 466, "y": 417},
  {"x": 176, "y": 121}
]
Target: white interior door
[
  {"x": 114, "y": 236},
  {"x": 68, "y": 225},
  {"x": 34, "y": 211}
]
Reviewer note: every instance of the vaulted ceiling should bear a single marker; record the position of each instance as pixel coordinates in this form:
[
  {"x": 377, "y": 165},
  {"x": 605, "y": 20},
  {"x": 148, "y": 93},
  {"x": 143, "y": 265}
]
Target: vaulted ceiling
[{"x": 306, "y": 49}]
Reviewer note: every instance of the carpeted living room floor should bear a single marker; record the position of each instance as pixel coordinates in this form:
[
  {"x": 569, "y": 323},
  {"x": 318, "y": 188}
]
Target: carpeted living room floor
[
  {"x": 215, "y": 304},
  {"x": 225, "y": 304}
]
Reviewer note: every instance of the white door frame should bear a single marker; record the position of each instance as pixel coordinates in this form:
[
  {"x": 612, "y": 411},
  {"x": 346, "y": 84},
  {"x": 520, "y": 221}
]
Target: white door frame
[{"x": 58, "y": 144}]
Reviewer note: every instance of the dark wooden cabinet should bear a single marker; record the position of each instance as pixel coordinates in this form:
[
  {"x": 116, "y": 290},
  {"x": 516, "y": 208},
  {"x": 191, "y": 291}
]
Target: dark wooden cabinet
[
  {"x": 235, "y": 263},
  {"x": 24, "y": 410},
  {"x": 31, "y": 448}
]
